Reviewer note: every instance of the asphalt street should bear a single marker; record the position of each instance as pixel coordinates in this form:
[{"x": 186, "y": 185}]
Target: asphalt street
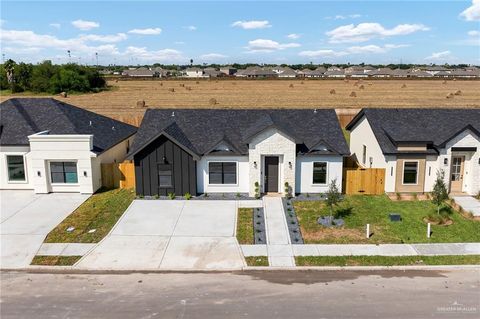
[{"x": 248, "y": 294}]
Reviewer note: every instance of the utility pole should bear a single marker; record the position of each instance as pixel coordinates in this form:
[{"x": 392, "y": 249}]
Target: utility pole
[
  {"x": 69, "y": 56},
  {"x": 96, "y": 56}
]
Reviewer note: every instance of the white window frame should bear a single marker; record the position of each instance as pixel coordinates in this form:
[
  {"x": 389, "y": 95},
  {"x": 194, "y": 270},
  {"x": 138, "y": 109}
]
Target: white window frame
[
  {"x": 62, "y": 184},
  {"x": 224, "y": 185},
  {"x": 24, "y": 167},
  {"x": 326, "y": 173},
  {"x": 403, "y": 172}
]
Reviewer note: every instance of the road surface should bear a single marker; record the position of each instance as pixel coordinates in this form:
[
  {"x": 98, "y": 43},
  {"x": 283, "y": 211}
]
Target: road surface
[{"x": 253, "y": 294}]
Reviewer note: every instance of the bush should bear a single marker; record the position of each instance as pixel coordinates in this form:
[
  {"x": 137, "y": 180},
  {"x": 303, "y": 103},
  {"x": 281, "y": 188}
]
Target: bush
[
  {"x": 171, "y": 196},
  {"x": 187, "y": 196}
]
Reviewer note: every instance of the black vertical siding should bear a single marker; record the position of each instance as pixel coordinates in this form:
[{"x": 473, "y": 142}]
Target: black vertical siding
[{"x": 146, "y": 169}]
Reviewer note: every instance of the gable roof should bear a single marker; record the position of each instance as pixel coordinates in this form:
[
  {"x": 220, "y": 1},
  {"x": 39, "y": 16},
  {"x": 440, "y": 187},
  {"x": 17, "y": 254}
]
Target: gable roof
[
  {"x": 21, "y": 117},
  {"x": 432, "y": 126},
  {"x": 204, "y": 129}
]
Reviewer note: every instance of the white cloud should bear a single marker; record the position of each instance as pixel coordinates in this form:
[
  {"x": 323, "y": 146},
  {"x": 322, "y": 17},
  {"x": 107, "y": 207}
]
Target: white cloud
[
  {"x": 22, "y": 50},
  {"x": 179, "y": 42},
  {"x": 474, "y": 33},
  {"x": 212, "y": 56},
  {"x": 439, "y": 55},
  {"x": 294, "y": 36},
  {"x": 367, "y": 49},
  {"x": 2, "y": 22},
  {"x": 472, "y": 13},
  {"x": 85, "y": 25},
  {"x": 343, "y": 17},
  {"x": 103, "y": 38},
  {"x": 55, "y": 25},
  {"x": 164, "y": 55},
  {"x": 253, "y": 24},
  {"x": 147, "y": 31},
  {"x": 264, "y": 45},
  {"x": 191, "y": 28},
  {"x": 366, "y": 31}
]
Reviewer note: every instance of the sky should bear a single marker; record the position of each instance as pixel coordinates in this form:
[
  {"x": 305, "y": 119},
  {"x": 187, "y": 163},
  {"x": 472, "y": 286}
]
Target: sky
[{"x": 173, "y": 32}]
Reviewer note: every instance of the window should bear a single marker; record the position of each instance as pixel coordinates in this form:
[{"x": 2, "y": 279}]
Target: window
[
  {"x": 165, "y": 175},
  {"x": 319, "y": 173},
  {"x": 364, "y": 155},
  {"x": 64, "y": 172},
  {"x": 16, "y": 168},
  {"x": 410, "y": 172},
  {"x": 222, "y": 172}
]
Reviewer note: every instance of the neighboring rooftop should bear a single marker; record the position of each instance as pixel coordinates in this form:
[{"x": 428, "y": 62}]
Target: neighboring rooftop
[
  {"x": 201, "y": 130},
  {"x": 432, "y": 126},
  {"x": 21, "y": 117}
]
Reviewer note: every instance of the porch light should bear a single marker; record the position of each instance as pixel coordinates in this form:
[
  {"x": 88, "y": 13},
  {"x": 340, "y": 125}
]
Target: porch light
[
  {"x": 290, "y": 165},
  {"x": 445, "y": 161},
  {"x": 254, "y": 164},
  {"x": 479, "y": 161},
  {"x": 85, "y": 173},
  {"x": 39, "y": 174}
]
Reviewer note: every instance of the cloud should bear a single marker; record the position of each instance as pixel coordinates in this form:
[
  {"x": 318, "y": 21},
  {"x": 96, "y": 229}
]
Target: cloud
[
  {"x": 85, "y": 25},
  {"x": 213, "y": 56},
  {"x": 367, "y": 49},
  {"x": 474, "y": 33},
  {"x": 104, "y": 38},
  {"x": 472, "y": 13},
  {"x": 264, "y": 45},
  {"x": 22, "y": 50},
  {"x": 191, "y": 28},
  {"x": 439, "y": 55},
  {"x": 294, "y": 36},
  {"x": 164, "y": 55},
  {"x": 253, "y": 24},
  {"x": 147, "y": 31},
  {"x": 366, "y": 31},
  {"x": 343, "y": 17},
  {"x": 55, "y": 25}
]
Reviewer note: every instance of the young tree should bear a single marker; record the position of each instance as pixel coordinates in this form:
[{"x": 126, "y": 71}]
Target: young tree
[
  {"x": 440, "y": 192},
  {"x": 334, "y": 197}
]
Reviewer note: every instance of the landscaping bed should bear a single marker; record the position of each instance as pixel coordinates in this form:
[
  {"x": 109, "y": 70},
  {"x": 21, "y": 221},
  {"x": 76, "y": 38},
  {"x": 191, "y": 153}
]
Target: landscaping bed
[
  {"x": 386, "y": 260},
  {"x": 359, "y": 210},
  {"x": 92, "y": 220},
  {"x": 292, "y": 222},
  {"x": 55, "y": 260},
  {"x": 251, "y": 226},
  {"x": 257, "y": 261}
]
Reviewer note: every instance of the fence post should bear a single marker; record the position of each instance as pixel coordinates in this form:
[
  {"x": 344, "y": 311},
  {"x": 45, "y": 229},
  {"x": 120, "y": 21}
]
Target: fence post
[
  {"x": 368, "y": 231},
  {"x": 428, "y": 230}
]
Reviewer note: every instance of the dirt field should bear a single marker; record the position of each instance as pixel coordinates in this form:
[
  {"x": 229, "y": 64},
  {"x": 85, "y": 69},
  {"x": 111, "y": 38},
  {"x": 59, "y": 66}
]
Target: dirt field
[{"x": 121, "y": 101}]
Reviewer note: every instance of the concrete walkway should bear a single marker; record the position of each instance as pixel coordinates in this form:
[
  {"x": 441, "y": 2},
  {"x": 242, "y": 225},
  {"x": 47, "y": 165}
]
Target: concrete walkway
[
  {"x": 364, "y": 250},
  {"x": 279, "y": 248},
  {"x": 469, "y": 204},
  {"x": 65, "y": 249}
]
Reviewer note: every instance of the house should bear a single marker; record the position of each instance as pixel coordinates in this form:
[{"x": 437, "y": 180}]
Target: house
[
  {"x": 381, "y": 73},
  {"x": 286, "y": 72},
  {"x": 413, "y": 144},
  {"x": 256, "y": 72},
  {"x": 433, "y": 70},
  {"x": 194, "y": 72},
  {"x": 50, "y": 146},
  {"x": 228, "y": 151},
  {"x": 212, "y": 73},
  {"x": 357, "y": 74},
  {"x": 317, "y": 73},
  {"x": 228, "y": 70},
  {"x": 419, "y": 74},
  {"x": 334, "y": 74},
  {"x": 399, "y": 73},
  {"x": 140, "y": 72}
]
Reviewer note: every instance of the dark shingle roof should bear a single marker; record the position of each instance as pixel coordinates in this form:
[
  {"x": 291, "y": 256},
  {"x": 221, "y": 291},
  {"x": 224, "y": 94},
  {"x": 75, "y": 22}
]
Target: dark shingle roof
[
  {"x": 200, "y": 130},
  {"x": 21, "y": 117},
  {"x": 432, "y": 126}
]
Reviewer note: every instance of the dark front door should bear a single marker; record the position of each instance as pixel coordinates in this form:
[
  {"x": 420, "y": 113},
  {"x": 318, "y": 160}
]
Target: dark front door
[{"x": 271, "y": 174}]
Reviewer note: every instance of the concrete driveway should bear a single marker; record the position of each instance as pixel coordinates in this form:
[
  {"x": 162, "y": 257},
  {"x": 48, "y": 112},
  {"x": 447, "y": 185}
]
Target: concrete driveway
[
  {"x": 178, "y": 235},
  {"x": 26, "y": 219}
]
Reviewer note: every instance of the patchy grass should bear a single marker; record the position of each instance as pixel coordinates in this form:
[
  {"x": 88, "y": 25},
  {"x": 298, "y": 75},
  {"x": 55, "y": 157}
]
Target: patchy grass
[
  {"x": 55, "y": 260},
  {"x": 257, "y": 261},
  {"x": 386, "y": 260},
  {"x": 101, "y": 211},
  {"x": 245, "y": 235},
  {"x": 359, "y": 210}
]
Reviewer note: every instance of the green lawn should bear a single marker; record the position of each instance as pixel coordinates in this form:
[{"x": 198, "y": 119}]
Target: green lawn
[
  {"x": 55, "y": 260},
  {"x": 359, "y": 210},
  {"x": 386, "y": 260},
  {"x": 257, "y": 261},
  {"x": 101, "y": 211},
  {"x": 245, "y": 234}
]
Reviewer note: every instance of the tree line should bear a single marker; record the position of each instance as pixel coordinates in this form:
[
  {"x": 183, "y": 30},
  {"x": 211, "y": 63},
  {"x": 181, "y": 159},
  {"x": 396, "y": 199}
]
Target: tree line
[{"x": 46, "y": 77}]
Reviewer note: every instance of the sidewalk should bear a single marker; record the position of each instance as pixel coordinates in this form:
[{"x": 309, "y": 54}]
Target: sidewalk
[
  {"x": 469, "y": 204},
  {"x": 280, "y": 252},
  {"x": 362, "y": 250}
]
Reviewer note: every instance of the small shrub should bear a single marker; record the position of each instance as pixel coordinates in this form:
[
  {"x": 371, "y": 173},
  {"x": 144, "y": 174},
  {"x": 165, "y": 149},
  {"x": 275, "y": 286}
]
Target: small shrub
[
  {"x": 205, "y": 194},
  {"x": 187, "y": 196},
  {"x": 141, "y": 196},
  {"x": 156, "y": 196},
  {"x": 257, "y": 190},
  {"x": 171, "y": 196},
  {"x": 399, "y": 196},
  {"x": 238, "y": 195},
  {"x": 308, "y": 195}
]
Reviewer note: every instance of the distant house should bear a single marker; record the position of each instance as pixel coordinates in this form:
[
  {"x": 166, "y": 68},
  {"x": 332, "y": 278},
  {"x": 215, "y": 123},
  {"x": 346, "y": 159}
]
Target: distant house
[
  {"x": 472, "y": 73},
  {"x": 256, "y": 72},
  {"x": 419, "y": 74},
  {"x": 50, "y": 146},
  {"x": 433, "y": 70},
  {"x": 381, "y": 73},
  {"x": 400, "y": 73},
  {"x": 140, "y": 72},
  {"x": 357, "y": 74},
  {"x": 317, "y": 73},
  {"x": 413, "y": 144},
  {"x": 334, "y": 68},
  {"x": 228, "y": 70},
  {"x": 212, "y": 73},
  {"x": 334, "y": 73},
  {"x": 286, "y": 72},
  {"x": 194, "y": 72},
  {"x": 159, "y": 72}
]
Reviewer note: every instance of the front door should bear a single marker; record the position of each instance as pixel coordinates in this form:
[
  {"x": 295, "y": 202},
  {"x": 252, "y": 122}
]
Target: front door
[
  {"x": 271, "y": 174},
  {"x": 456, "y": 176}
]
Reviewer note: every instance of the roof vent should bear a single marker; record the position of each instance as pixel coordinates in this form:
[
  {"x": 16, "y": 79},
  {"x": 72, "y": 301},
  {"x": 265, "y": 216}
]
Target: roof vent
[
  {"x": 315, "y": 111},
  {"x": 113, "y": 128},
  {"x": 90, "y": 123},
  {"x": 173, "y": 114}
]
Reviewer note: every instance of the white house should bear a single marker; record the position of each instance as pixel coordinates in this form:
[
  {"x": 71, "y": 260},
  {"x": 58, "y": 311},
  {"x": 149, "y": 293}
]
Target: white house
[
  {"x": 194, "y": 73},
  {"x": 228, "y": 151},
  {"x": 413, "y": 144},
  {"x": 50, "y": 146}
]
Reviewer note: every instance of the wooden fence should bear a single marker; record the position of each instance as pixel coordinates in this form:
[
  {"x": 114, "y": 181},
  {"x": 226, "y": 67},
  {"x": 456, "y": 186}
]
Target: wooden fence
[
  {"x": 366, "y": 181},
  {"x": 118, "y": 175}
]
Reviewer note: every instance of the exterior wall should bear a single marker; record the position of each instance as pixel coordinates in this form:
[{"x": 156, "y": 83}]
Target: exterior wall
[
  {"x": 47, "y": 148},
  {"x": 362, "y": 134},
  {"x": 304, "y": 173},
  {"x": 390, "y": 173},
  {"x": 242, "y": 185},
  {"x": 15, "y": 150},
  {"x": 164, "y": 151},
  {"x": 410, "y": 188},
  {"x": 271, "y": 142},
  {"x": 431, "y": 167}
]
